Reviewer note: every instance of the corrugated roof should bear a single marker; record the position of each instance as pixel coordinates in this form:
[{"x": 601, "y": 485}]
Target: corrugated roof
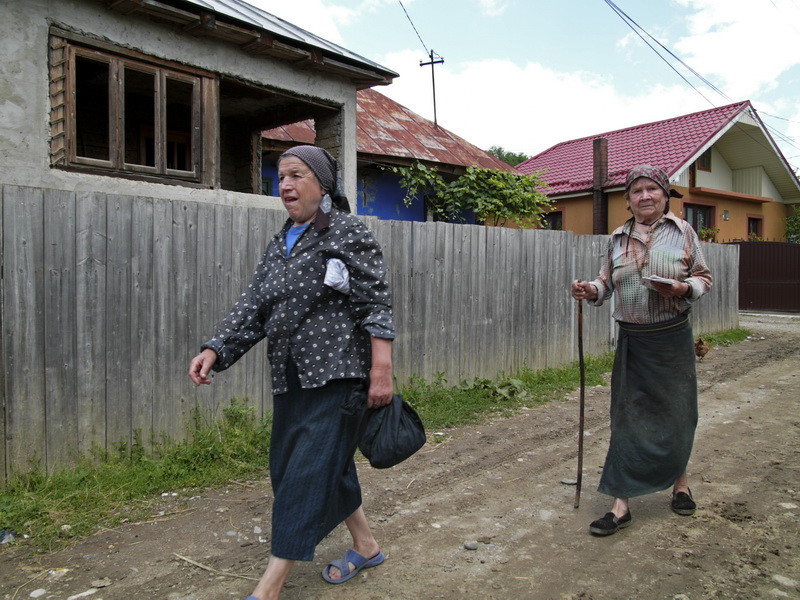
[
  {"x": 252, "y": 15},
  {"x": 670, "y": 144},
  {"x": 388, "y": 129},
  {"x": 259, "y": 32}
]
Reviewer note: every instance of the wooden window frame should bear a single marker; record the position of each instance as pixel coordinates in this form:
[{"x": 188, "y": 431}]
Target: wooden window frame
[
  {"x": 201, "y": 138},
  {"x": 704, "y": 161},
  {"x": 552, "y": 214},
  {"x": 697, "y": 205},
  {"x": 751, "y": 218}
]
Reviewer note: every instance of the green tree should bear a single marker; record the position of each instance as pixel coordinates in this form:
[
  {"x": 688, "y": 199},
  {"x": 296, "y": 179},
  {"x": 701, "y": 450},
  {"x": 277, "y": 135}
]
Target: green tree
[
  {"x": 793, "y": 225},
  {"x": 510, "y": 158},
  {"x": 496, "y": 197}
]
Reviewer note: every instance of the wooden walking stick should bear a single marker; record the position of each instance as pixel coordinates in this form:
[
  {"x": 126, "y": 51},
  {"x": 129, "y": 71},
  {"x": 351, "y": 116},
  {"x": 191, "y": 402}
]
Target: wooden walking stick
[{"x": 582, "y": 366}]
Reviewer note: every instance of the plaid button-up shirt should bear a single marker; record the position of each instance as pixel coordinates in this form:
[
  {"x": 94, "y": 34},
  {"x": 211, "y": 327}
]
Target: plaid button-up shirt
[{"x": 671, "y": 250}]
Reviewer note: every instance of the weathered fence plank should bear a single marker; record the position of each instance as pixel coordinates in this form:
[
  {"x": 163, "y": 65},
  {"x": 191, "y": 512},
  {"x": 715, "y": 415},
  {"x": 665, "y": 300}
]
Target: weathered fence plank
[
  {"x": 90, "y": 321},
  {"x": 118, "y": 303},
  {"x": 61, "y": 402},
  {"x": 24, "y": 327},
  {"x": 3, "y": 440},
  {"x": 169, "y": 411},
  {"x": 142, "y": 358},
  {"x": 184, "y": 333}
]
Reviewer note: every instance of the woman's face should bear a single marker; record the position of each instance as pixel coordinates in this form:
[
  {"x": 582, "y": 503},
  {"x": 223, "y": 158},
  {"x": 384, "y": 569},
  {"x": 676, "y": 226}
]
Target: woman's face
[
  {"x": 647, "y": 200},
  {"x": 299, "y": 189}
]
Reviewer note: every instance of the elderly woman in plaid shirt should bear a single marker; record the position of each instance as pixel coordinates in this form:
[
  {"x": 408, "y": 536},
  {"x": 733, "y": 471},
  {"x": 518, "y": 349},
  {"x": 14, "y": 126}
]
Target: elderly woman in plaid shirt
[{"x": 655, "y": 265}]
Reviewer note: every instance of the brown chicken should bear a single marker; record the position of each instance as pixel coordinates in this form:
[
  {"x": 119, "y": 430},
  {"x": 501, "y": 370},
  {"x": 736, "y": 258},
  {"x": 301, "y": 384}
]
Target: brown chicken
[{"x": 700, "y": 348}]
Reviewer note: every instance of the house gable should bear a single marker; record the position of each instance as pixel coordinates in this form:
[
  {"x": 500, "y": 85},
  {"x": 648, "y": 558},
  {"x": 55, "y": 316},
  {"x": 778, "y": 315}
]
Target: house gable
[{"x": 723, "y": 160}]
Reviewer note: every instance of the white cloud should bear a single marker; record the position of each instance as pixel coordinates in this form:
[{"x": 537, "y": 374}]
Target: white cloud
[
  {"x": 493, "y": 8},
  {"x": 315, "y": 16},
  {"x": 742, "y": 46},
  {"x": 531, "y": 107}
]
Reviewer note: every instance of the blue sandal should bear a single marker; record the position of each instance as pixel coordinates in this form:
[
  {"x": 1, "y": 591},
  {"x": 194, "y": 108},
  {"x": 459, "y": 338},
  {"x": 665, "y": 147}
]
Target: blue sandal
[{"x": 351, "y": 556}]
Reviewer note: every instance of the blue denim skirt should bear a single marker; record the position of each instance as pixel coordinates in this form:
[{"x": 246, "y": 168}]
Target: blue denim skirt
[{"x": 314, "y": 480}]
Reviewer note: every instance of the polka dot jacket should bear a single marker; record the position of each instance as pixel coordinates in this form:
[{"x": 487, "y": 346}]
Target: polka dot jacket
[{"x": 326, "y": 332}]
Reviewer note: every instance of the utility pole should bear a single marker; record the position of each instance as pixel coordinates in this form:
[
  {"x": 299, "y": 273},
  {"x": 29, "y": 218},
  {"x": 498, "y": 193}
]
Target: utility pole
[{"x": 438, "y": 61}]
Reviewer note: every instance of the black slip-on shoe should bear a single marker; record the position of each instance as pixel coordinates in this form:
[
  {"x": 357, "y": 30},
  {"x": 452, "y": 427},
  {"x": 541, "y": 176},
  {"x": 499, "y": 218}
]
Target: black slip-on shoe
[
  {"x": 610, "y": 523},
  {"x": 683, "y": 504}
]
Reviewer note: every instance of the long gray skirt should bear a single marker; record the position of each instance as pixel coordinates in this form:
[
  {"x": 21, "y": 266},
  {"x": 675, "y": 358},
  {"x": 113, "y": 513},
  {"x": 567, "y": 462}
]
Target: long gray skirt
[
  {"x": 653, "y": 408},
  {"x": 314, "y": 479}
]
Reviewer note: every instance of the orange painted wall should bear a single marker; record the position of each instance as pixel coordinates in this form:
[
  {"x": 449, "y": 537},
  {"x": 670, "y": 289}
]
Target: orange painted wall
[{"x": 577, "y": 214}]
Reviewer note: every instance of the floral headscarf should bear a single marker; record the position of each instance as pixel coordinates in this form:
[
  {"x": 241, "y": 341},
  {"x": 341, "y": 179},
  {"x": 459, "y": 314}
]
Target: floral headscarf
[{"x": 658, "y": 175}]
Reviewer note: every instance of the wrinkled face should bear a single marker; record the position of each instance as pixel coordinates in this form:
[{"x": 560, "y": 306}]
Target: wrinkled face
[
  {"x": 647, "y": 200},
  {"x": 299, "y": 189}
]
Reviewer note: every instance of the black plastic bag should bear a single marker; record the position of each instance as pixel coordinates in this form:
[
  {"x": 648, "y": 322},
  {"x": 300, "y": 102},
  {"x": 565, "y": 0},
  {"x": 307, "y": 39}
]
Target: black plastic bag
[{"x": 391, "y": 433}]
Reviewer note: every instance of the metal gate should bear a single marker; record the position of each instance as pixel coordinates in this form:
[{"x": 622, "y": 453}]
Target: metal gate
[{"x": 769, "y": 276}]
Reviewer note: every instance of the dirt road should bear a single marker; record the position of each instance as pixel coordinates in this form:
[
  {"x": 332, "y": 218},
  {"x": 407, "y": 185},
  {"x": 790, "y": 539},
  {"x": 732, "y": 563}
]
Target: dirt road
[{"x": 499, "y": 485}]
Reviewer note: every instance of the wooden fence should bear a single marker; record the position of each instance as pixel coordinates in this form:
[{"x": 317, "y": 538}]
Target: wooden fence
[{"x": 106, "y": 298}]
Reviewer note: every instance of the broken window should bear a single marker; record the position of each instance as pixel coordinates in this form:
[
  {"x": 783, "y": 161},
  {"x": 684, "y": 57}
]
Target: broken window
[
  {"x": 118, "y": 111},
  {"x": 125, "y": 115}
]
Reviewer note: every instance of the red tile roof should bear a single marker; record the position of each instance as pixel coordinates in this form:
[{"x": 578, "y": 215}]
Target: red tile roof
[
  {"x": 668, "y": 144},
  {"x": 388, "y": 129}
]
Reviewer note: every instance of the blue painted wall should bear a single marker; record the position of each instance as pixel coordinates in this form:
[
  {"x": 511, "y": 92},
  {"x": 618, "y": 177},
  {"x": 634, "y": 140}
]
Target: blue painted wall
[{"x": 378, "y": 194}]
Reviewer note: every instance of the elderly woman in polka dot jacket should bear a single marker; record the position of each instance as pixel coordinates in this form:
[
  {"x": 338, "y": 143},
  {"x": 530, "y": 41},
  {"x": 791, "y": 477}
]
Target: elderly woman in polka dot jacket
[{"x": 321, "y": 298}]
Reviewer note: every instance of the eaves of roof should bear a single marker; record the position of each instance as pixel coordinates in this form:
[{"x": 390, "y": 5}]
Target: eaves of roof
[
  {"x": 258, "y": 32},
  {"x": 673, "y": 145},
  {"x": 389, "y": 132}
]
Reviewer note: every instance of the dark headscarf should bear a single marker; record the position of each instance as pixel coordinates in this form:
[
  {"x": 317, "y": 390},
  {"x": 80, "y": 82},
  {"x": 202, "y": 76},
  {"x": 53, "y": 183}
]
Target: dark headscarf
[{"x": 326, "y": 170}]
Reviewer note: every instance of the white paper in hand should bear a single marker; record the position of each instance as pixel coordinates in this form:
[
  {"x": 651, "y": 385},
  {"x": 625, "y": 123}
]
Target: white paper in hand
[{"x": 649, "y": 280}]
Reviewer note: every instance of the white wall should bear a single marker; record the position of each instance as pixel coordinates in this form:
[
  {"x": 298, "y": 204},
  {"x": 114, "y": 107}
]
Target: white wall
[
  {"x": 720, "y": 177},
  {"x": 25, "y": 104}
]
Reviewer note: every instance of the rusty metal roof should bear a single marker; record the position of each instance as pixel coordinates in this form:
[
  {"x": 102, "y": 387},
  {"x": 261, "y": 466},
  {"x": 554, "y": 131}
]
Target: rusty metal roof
[{"x": 387, "y": 131}]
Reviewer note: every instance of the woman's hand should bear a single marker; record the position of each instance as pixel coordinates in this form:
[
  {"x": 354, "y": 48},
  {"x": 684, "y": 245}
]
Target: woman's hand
[
  {"x": 677, "y": 288},
  {"x": 201, "y": 365},
  {"x": 583, "y": 290},
  {"x": 381, "y": 384}
]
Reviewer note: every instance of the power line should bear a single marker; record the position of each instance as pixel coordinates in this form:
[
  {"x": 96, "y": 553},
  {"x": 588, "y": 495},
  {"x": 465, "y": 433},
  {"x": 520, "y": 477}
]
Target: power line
[
  {"x": 413, "y": 26},
  {"x": 636, "y": 28},
  {"x": 781, "y": 118}
]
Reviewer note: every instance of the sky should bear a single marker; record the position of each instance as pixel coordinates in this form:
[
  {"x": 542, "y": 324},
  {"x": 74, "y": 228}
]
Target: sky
[{"x": 527, "y": 74}]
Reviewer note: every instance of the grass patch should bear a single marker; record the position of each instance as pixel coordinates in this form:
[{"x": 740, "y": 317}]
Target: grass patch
[
  {"x": 441, "y": 405},
  {"x": 107, "y": 489},
  {"x": 727, "y": 338}
]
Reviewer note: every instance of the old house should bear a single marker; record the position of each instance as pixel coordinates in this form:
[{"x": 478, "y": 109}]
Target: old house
[
  {"x": 734, "y": 180},
  {"x": 165, "y": 98},
  {"x": 387, "y": 133}
]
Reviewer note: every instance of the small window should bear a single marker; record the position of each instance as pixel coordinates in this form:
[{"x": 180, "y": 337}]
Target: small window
[
  {"x": 699, "y": 217},
  {"x": 754, "y": 228},
  {"x": 125, "y": 115},
  {"x": 704, "y": 161},
  {"x": 554, "y": 221}
]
